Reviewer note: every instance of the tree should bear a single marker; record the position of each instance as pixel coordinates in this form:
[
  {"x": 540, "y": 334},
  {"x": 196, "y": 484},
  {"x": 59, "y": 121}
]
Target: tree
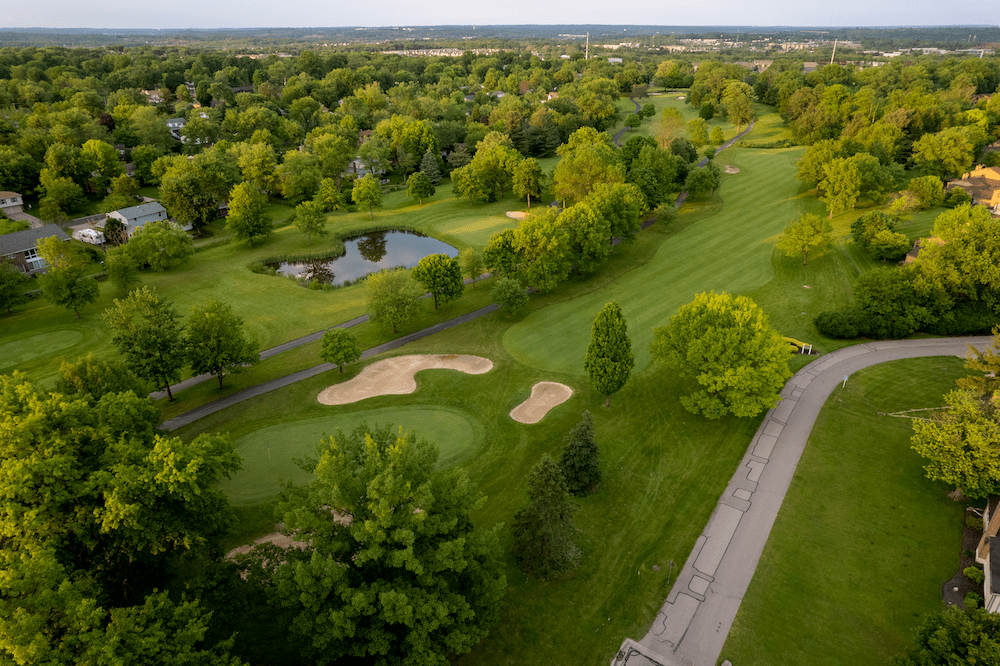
[
  {"x": 367, "y": 192},
  {"x": 248, "y": 219},
  {"x": 471, "y": 261},
  {"x": 258, "y": 165},
  {"x": 392, "y": 297},
  {"x": 441, "y": 276},
  {"x": 962, "y": 444},
  {"x": 339, "y": 347},
  {"x": 147, "y": 332},
  {"x": 889, "y": 245},
  {"x": 580, "y": 458},
  {"x": 809, "y": 232},
  {"x": 122, "y": 269},
  {"x": 310, "y": 219},
  {"x": 69, "y": 287},
  {"x": 697, "y": 132},
  {"x": 216, "y": 343},
  {"x": 927, "y": 190},
  {"x": 583, "y": 167},
  {"x": 419, "y": 187},
  {"x": 671, "y": 126},
  {"x": 96, "y": 377},
  {"x": 160, "y": 244},
  {"x": 716, "y": 137},
  {"x": 508, "y": 293},
  {"x": 632, "y": 120},
  {"x": 528, "y": 179},
  {"x": 707, "y": 111},
  {"x": 299, "y": 176},
  {"x": 702, "y": 180},
  {"x": 500, "y": 254},
  {"x": 404, "y": 578},
  {"x": 544, "y": 540},
  {"x": 184, "y": 193},
  {"x": 429, "y": 166},
  {"x": 609, "y": 356},
  {"x": 11, "y": 286},
  {"x": 727, "y": 345},
  {"x": 737, "y": 99},
  {"x": 954, "y": 637},
  {"x": 842, "y": 185},
  {"x": 545, "y": 248},
  {"x": 100, "y": 162},
  {"x": 329, "y": 195},
  {"x": 947, "y": 153}
]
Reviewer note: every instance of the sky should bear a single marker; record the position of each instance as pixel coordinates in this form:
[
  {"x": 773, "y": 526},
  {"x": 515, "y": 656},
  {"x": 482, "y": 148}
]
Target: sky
[{"x": 324, "y": 13}]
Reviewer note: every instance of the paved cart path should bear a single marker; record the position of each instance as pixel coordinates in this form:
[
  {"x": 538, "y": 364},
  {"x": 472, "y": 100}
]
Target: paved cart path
[{"x": 692, "y": 626}]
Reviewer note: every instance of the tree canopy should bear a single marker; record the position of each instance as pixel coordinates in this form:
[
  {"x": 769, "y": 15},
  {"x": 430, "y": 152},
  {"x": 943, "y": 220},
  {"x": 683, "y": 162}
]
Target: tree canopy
[
  {"x": 727, "y": 346},
  {"x": 609, "y": 358}
]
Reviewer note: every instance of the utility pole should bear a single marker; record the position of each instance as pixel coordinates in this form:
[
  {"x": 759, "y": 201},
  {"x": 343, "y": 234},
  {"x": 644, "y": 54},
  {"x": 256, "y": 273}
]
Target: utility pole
[{"x": 586, "y": 55}]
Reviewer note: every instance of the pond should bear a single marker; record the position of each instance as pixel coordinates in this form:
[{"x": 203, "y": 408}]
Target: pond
[{"x": 368, "y": 254}]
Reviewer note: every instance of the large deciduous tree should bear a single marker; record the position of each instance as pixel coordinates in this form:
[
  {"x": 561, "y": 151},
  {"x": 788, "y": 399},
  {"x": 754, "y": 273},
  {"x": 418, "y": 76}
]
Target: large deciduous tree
[
  {"x": 419, "y": 187},
  {"x": 841, "y": 185},
  {"x": 11, "y": 286},
  {"x": 500, "y": 254},
  {"x": 402, "y": 577},
  {"x": 954, "y": 637},
  {"x": 527, "y": 179},
  {"x": 147, "y": 332},
  {"x": 215, "y": 342},
  {"x": 809, "y": 232},
  {"x": 471, "y": 261},
  {"x": 160, "y": 244},
  {"x": 248, "y": 218},
  {"x": 367, "y": 192},
  {"x": 392, "y": 296},
  {"x": 310, "y": 219},
  {"x": 441, "y": 276},
  {"x": 609, "y": 358},
  {"x": 508, "y": 294},
  {"x": 339, "y": 347},
  {"x": 65, "y": 283},
  {"x": 544, "y": 539},
  {"x": 727, "y": 346}
]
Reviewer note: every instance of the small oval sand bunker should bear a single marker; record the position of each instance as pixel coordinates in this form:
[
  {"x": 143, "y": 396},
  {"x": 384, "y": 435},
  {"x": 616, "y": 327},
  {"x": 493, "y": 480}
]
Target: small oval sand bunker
[
  {"x": 395, "y": 376},
  {"x": 544, "y": 397}
]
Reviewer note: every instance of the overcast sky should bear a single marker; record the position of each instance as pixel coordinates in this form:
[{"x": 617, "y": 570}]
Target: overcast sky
[{"x": 323, "y": 13}]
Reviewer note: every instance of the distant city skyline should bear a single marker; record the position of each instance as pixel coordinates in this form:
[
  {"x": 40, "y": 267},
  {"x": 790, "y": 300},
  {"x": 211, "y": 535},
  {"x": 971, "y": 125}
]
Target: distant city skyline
[{"x": 113, "y": 14}]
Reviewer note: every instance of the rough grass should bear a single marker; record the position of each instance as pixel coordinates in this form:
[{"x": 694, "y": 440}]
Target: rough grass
[{"x": 863, "y": 540}]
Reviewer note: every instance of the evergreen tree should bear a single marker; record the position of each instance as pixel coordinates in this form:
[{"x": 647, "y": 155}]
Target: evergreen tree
[
  {"x": 429, "y": 166},
  {"x": 579, "y": 459},
  {"x": 609, "y": 355},
  {"x": 544, "y": 539}
]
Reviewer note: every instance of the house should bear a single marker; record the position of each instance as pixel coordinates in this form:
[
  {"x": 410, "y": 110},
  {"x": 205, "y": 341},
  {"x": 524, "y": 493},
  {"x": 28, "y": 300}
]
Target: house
[
  {"x": 11, "y": 203},
  {"x": 175, "y": 125},
  {"x": 153, "y": 96},
  {"x": 20, "y": 247},
  {"x": 983, "y": 185},
  {"x": 990, "y": 544},
  {"x": 134, "y": 217}
]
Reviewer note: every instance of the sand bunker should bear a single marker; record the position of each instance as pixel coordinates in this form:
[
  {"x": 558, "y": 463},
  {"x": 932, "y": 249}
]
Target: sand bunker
[
  {"x": 544, "y": 396},
  {"x": 394, "y": 376},
  {"x": 517, "y": 214},
  {"x": 731, "y": 169}
]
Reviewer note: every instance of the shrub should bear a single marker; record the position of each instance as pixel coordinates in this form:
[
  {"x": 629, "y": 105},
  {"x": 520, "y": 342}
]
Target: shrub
[
  {"x": 867, "y": 226},
  {"x": 966, "y": 318},
  {"x": 889, "y": 246},
  {"x": 973, "y": 600},
  {"x": 957, "y": 197},
  {"x": 845, "y": 325},
  {"x": 975, "y": 574},
  {"x": 928, "y": 190}
]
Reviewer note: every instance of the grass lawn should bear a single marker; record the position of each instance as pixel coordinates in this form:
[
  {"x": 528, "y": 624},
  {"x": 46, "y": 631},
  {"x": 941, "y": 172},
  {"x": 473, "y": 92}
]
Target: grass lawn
[
  {"x": 269, "y": 454},
  {"x": 863, "y": 541},
  {"x": 672, "y": 100}
]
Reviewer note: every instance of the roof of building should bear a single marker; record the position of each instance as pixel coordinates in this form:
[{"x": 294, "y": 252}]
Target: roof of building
[
  {"x": 19, "y": 241},
  {"x": 994, "y": 569},
  {"x": 979, "y": 184},
  {"x": 8, "y": 195},
  {"x": 142, "y": 210}
]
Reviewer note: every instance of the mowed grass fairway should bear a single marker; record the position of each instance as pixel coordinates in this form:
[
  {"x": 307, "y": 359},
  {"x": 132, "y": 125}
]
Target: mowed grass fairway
[
  {"x": 725, "y": 248},
  {"x": 269, "y": 454},
  {"x": 863, "y": 540}
]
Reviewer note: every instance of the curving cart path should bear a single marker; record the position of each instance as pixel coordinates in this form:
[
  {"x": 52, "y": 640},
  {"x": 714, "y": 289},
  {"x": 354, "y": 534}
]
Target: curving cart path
[{"x": 692, "y": 626}]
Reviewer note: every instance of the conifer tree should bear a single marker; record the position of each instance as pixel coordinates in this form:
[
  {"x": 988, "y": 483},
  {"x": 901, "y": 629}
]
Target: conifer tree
[
  {"x": 429, "y": 165},
  {"x": 579, "y": 460},
  {"x": 609, "y": 355},
  {"x": 544, "y": 537}
]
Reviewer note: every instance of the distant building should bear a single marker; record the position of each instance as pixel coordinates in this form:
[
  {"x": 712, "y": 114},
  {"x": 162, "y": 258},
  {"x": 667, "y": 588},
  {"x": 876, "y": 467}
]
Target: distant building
[
  {"x": 11, "y": 203},
  {"x": 134, "y": 217},
  {"x": 983, "y": 185},
  {"x": 20, "y": 247}
]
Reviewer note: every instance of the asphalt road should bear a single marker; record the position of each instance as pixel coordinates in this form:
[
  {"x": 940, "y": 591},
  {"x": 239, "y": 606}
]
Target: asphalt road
[{"x": 692, "y": 626}]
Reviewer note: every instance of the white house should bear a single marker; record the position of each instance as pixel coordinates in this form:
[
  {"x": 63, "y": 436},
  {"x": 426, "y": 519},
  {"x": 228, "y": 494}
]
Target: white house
[
  {"x": 10, "y": 203},
  {"x": 133, "y": 218}
]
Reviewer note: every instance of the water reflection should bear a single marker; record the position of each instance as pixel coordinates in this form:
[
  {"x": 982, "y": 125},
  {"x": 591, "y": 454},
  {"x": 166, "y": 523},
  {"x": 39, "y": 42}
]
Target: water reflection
[
  {"x": 368, "y": 254},
  {"x": 372, "y": 246}
]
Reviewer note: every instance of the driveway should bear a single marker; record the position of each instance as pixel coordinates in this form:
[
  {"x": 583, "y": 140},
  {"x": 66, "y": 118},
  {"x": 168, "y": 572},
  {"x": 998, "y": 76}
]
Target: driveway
[{"x": 692, "y": 626}]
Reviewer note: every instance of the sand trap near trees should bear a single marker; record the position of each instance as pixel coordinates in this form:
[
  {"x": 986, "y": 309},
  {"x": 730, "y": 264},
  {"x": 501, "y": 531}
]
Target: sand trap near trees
[
  {"x": 731, "y": 169},
  {"x": 544, "y": 396},
  {"x": 395, "y": 376}
]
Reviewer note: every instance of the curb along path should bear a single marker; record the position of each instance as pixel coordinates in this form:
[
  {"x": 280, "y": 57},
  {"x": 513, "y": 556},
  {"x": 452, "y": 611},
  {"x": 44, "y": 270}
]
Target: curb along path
[{"x": 692, "y": 626}]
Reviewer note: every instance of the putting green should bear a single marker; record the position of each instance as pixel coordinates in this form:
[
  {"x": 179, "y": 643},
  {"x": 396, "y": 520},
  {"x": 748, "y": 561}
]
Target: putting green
[
  {"x": 269, "y": 453},
  {"x": 759, "y": 202}
]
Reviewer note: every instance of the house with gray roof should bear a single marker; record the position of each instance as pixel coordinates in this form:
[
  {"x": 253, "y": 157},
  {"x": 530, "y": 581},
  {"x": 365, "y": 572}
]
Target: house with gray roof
[
  {"x": 11, "y": 203},
  {"x": 989, "y": 545},
  {"x": 134, "y": 217},
  {"x": 21, "y": 247}
]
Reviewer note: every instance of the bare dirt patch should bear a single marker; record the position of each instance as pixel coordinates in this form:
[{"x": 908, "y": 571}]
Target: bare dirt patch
[
  {"x": 544, "y": 396},
  {"x": 731, "y": 169},
  {"x": 395, "y": 376}
]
